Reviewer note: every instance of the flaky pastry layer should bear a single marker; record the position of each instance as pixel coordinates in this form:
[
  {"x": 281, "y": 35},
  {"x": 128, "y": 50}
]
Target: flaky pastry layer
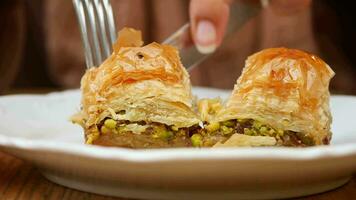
[
  {"x": 286, "y": 89},
  {"x": 142, "y": 83}
]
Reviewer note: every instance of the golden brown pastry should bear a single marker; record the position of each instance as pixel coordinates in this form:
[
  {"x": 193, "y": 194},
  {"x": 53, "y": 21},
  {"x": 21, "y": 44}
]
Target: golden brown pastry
[
  {"x": 139, "y": 97},
  {"x": 282, "y": 94}
]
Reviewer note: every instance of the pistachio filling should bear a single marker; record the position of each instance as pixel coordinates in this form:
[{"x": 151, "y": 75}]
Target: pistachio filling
[
  {"x": 156, "y": 130},
  {"x": 197, "y": 140},
  {"x": 196, "y": 136},
  {"x": 153, "y": 130},
  {"x": 255, "y": 128}
]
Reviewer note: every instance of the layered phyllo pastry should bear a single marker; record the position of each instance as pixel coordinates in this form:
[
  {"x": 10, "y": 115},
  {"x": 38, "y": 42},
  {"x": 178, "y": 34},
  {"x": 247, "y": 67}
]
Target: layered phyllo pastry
[
  {"x": 281, "y": 99},
  {"x": 140, "y": 97}
]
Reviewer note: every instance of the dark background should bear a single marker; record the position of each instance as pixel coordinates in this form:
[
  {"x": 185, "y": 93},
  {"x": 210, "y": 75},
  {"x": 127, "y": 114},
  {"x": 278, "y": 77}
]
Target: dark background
[{"x": 26, "y": 62}]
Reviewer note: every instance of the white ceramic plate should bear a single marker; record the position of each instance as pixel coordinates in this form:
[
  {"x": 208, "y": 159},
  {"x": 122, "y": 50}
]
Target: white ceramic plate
[{"x": 36, "y": 128}]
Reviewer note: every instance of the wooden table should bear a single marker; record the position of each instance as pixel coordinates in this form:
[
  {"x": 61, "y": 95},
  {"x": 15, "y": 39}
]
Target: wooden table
[{"x": 22, "y": 181}]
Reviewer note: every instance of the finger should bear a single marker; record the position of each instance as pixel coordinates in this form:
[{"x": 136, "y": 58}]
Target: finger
[{"x": 208, "y": 20}]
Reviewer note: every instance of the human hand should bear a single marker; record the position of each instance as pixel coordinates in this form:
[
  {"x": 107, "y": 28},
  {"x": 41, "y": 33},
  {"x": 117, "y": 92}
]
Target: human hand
[{"x": 208, "y": 18}]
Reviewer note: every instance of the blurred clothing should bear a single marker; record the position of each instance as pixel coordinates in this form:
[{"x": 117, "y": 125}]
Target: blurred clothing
[{"x": 46, "y": 48}]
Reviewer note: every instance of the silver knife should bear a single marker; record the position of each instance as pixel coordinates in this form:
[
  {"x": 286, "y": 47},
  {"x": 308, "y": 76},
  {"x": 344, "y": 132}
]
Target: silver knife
[{"x": 240, "y": 13}]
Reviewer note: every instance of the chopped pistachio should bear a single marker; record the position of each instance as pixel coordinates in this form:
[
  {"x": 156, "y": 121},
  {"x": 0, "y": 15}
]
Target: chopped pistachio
[
  {"x": 280, "y": 132},
  {"x": 226, "y": 130},
  {"x": 257, "y": 124},
  {"x": 264, "y": 130},
  {"x": 229, "y": 123},
  {"x": 174, "y": 128},
  {"x": 162, "y": 133},
  {"x": 110, "y": 123},
  {"x": 166, "y": 134},
  {"x": 104, "y": 130},
  {"x": 158, "y": 129},
  {"x": 212, "y": 127},
  {"x": 254, "y": 131},
  {"x": 197, "y": 140},
  {"x": 248, "y": 131}
]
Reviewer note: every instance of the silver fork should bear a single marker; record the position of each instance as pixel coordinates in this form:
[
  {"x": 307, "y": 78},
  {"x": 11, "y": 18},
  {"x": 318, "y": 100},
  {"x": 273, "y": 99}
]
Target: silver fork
[
  {"x": 97, "y": 26},
  {"x": 96, "y": 21}
]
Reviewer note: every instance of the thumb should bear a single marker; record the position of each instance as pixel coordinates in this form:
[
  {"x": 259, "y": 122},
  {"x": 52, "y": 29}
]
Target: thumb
[{"x": 208, "y": 20}]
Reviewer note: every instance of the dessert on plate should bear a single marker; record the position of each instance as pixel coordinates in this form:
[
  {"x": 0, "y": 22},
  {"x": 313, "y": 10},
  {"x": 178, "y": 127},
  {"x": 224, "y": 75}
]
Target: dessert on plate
[
  {"x": 282, "y": 97},
  {"x": 140, "y": 97}
]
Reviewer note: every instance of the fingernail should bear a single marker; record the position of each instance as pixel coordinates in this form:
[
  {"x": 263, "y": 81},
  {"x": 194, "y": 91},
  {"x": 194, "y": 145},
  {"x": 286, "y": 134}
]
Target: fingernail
[{"x": 206, "y": 37}]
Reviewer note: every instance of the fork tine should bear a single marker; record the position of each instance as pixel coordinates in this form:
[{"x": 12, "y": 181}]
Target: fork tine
[
  {"x": 103, "y": 28},
  {"x": 94, "y": 34},
  {"x": 97, "y": 26},
  {"x": 111, "y": 20},
  {"x": 79, "y": 7}
]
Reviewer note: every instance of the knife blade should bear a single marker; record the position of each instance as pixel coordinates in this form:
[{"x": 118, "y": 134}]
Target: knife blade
[{"x": 240, "y": 13}]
